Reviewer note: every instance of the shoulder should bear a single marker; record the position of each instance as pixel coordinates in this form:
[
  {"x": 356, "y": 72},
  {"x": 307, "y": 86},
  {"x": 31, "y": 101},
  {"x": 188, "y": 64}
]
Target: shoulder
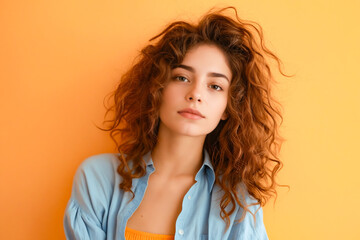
[
  {"x": 100, "y": 163},
  {"x": 97, "y": 174}
]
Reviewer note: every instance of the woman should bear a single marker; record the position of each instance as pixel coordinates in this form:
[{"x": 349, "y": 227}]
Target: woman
[{"x": 196, "y": 130}]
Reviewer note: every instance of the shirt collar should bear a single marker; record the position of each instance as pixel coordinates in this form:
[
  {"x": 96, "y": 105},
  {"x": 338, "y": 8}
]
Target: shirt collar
[
  {"x": 206, "y": 168},
  {"x": 210, "y": 174}
]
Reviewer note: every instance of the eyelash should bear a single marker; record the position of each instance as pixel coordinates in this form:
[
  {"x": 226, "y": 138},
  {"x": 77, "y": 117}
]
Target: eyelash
[
  {"x": 217, "y": 87},
  {"x": 178, "y": 78}
]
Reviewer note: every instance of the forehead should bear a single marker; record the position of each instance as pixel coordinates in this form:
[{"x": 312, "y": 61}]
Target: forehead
[{"x": 207, "y": 58}]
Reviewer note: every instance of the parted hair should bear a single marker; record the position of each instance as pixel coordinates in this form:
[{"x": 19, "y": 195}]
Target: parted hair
[{"x": 244, "y": 148}]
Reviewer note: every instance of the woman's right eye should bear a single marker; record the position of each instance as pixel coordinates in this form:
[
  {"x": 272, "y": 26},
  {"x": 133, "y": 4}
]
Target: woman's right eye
[{"x": 181, "y": 78}]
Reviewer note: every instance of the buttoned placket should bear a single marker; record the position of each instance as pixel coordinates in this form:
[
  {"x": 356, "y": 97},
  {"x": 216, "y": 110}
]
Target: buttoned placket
[{"x": 185, "y": 211}]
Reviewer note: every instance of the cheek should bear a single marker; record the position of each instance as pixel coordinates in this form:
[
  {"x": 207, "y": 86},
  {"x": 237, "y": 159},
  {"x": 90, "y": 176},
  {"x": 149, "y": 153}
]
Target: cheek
[
  {"x": 171, "y": 93},
  {"x": 167, "y": 92},
  {"x": 220, "y": 104},
  {"x": 169, "y": 97}
]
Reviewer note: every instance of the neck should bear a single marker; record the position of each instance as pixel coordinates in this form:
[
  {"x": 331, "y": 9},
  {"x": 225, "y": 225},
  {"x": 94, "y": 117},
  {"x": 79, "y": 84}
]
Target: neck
[{"x": 177, "y": 155}]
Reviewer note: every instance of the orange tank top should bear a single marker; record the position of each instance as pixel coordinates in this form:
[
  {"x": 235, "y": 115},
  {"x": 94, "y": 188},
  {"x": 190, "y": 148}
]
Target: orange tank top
[{"x": 132, "y": 234}]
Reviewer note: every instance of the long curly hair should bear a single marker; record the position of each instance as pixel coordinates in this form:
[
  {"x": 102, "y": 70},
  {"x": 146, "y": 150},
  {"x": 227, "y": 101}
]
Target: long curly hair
[{"x": 244, "y": 148}]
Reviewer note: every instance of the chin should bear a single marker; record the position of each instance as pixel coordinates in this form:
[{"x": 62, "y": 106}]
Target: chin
[
  {"x": 185, "y": 129},
  {"x": 191, "y": 131}
]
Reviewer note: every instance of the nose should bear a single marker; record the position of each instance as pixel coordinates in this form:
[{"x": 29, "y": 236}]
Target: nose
[{"x": 194, "y": 95}]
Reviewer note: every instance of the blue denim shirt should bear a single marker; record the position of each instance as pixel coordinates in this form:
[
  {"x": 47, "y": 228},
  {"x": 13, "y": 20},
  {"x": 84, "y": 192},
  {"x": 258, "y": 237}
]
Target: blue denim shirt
[{"x": 99, "y": 209}]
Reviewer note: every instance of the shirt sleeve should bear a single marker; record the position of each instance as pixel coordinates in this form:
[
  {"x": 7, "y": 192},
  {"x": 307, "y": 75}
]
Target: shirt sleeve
[
  {"x": 249, "y": 229},
  {"x": 79, "y": 226},
  {"x": 86, "y": 212}
]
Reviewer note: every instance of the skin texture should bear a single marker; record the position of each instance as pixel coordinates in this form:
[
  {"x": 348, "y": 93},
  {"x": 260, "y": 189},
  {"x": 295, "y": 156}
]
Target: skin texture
[{"x": 198, "y": 90}]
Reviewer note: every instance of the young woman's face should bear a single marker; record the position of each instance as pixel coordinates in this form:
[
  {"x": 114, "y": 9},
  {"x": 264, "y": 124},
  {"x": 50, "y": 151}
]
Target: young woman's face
[{"x": 200, "y": 83}]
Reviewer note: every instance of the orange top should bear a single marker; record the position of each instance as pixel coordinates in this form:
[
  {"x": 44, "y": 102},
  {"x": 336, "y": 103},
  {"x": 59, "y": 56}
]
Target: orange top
[{"x": 132, "y": 234}]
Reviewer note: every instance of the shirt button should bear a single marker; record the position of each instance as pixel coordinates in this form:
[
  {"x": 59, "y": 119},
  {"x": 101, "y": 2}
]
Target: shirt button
[
  {"x": 189, "y": 197},
  {"x": 181, "y": 232}
]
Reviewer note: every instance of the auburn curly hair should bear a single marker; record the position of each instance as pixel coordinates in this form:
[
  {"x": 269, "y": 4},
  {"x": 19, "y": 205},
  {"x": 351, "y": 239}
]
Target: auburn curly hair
[{"x": 244, "y": 148}]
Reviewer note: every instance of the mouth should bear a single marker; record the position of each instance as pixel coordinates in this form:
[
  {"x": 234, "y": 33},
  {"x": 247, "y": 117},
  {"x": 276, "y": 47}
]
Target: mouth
[{"x": 191, "y": 113}]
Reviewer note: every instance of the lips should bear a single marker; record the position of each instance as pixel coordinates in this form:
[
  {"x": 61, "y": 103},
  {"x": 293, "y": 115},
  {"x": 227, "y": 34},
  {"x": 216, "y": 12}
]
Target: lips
[{"x": 191, "y": 111}]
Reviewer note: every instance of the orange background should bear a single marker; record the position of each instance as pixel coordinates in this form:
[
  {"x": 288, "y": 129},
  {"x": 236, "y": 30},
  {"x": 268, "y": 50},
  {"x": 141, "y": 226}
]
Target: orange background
[{"x": 59, "y": 59}]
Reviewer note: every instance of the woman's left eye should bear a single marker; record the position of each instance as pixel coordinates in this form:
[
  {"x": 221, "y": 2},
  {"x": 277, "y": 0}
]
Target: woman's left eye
[
  {"x": 216, "y": 87},
  {"x": 181, "y": 78}
]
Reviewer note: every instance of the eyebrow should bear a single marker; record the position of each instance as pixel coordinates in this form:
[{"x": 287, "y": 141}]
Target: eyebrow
[{"x": 210, "y": 74}]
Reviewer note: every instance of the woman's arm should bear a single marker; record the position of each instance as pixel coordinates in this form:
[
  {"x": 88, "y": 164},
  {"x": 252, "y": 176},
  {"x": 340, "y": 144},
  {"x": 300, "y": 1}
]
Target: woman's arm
[{"x": 87, "y": 210}]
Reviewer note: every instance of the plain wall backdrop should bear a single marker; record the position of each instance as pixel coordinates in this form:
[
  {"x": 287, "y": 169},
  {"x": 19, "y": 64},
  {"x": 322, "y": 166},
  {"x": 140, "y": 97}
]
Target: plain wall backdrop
[{"x": 59, "y": 59}]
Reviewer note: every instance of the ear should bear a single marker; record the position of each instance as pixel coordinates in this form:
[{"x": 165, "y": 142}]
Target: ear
[{"x": 224, "y": 116}]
